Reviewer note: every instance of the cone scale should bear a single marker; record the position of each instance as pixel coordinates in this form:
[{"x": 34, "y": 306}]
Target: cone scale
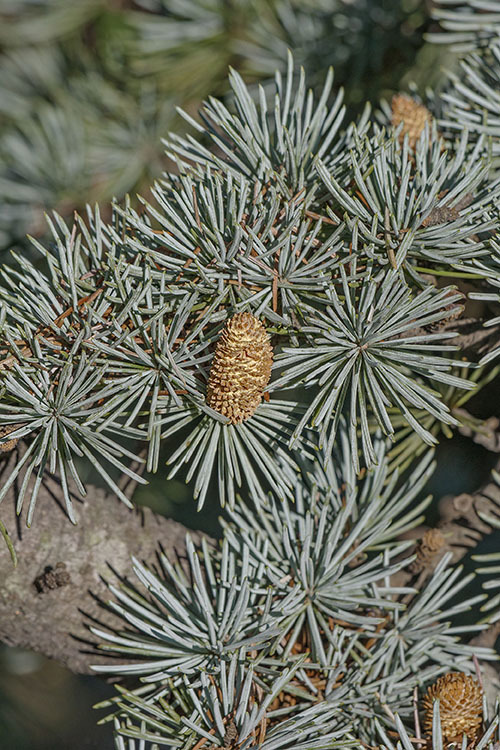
[{"x": 460, "y": 706}]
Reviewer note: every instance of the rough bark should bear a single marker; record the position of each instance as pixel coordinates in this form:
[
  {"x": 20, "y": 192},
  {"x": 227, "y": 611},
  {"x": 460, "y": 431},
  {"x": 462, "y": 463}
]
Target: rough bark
[{"x": 54, "y": 621}]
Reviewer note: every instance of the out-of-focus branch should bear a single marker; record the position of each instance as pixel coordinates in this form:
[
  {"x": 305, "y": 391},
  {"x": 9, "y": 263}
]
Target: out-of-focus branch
[
  {"x": 487, "y": 435},
  {"x": 463, "y": 523}
]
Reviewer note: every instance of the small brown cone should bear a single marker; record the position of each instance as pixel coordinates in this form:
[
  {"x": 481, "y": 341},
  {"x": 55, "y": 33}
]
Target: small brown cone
[
  {"x": 431, "y": 544},
  {"x": 460, "y": 707},
  {"x": 413, "y": 116},
  {"x": 241, "y": 368},
  {"x": 8, "y": 445}
]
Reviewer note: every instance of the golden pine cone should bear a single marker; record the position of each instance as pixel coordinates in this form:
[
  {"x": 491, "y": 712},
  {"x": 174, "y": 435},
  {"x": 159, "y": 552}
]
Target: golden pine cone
[
  {"x": 241, "y": 368},
  {"x": 414, "y": 116},
  {"x": 460, "y": 706}
]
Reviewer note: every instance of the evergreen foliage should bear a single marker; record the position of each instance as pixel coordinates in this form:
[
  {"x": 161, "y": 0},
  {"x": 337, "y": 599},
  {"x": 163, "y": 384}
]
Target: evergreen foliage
[
  {"x": 473, "y": 98},
  {"x": 333, "y": 642},
  {"x": 292, "y": 229},
  {"x": 467, "y": 24},
  {"x": 309, "y": 624}
]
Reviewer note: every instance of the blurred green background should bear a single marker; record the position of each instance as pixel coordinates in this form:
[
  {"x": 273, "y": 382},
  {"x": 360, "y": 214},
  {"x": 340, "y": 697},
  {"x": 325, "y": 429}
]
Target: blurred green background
[
  {"x": 89, "y": 88},
  {"x": 87, "y": 91}
]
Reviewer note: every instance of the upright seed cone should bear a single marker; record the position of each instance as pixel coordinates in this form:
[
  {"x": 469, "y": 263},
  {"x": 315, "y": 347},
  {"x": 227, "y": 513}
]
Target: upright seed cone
[
  {"x": 241, "y": 368},
  {"x": 413, "y": 116},
  {"x": 460, "y": 706}
]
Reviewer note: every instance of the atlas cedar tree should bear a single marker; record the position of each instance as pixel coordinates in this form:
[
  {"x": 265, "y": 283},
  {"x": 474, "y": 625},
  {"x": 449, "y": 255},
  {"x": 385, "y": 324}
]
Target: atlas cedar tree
[{"x": 342, "y": 255}]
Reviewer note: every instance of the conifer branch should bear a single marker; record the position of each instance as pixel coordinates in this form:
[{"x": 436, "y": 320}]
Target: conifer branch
[{"x": 39, "y": 614}]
